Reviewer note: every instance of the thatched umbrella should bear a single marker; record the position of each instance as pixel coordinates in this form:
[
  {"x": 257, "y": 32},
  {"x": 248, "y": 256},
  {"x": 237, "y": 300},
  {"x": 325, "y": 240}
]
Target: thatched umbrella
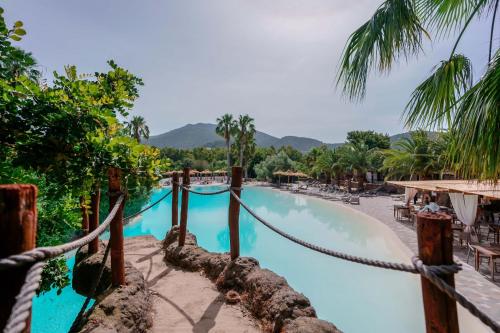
[{"x": 279, "y": 173}]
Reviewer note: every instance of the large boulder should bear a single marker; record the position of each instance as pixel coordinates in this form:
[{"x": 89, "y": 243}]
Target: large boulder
[
  {"x": 86, "y": 269},
  {"x": 126, "y": 309}
]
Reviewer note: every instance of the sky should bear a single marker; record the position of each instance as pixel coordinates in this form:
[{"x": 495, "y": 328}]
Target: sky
[{"x": 275, "y": 60}]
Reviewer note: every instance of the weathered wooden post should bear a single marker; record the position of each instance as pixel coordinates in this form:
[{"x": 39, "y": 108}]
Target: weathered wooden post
[
  {"x": 116, "y": 229},
  {"x": 95, "y": 200},
  {"x": 18, "y": 223},
  {"x": 184, "y": 206},
  {"x": 435, "y": 247},
  {"x": 175, "y": 198},
  {"x": 234, "y": 212}
]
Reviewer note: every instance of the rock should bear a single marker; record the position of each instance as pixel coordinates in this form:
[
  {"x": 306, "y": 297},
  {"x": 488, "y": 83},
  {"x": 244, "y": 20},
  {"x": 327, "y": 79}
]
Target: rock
[
  {"x": 261, "y": 286},
  {"x": 232, "y": 297},
  {"x": 215, "y": 264},
  {"x": 173, "y": 234},
  {"x": 286, "y": 304},
  {"x": 126, "y": 309},
  {"x": 190, "y": 257},
  {"x": 86, "y": 270},
  {"x": 309, "y": 325},
  {"x": 234, "y": 276}
]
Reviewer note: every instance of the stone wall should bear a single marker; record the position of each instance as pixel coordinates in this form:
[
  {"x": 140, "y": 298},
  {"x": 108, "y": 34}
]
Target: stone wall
[{"x": 265, "y": 294}]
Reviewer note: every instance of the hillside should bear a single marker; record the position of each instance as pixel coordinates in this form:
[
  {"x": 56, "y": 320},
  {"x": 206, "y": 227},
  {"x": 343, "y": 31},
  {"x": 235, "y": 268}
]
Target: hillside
[{"x": 203, "y": 135}]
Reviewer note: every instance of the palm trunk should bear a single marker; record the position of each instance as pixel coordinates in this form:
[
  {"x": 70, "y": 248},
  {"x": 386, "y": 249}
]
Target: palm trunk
[
  {"x": 242, "y": 147},
  {"x": 95, "y": 201},
  {"x": 361, "y": 182},
  {"x": 85, "y": 216},
  {"x": 228, "y": 152}
]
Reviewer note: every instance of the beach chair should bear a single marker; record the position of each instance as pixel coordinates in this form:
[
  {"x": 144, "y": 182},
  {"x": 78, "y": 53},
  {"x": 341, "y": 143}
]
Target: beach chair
[{"x": 354, "y": 200}]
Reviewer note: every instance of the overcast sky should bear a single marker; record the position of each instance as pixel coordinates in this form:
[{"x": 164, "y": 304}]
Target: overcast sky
[{"x": 273, "y": 59}]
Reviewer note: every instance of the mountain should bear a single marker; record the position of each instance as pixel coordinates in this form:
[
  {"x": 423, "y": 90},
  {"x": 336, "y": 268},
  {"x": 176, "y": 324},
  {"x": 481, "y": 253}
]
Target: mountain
[{"x": 203, "y": 135}]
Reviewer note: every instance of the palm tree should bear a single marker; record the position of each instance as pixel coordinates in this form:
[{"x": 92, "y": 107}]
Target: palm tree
[
  {"x": 449, "y": 97},
  {"x": 417, "y": 157},
  {"x": 354, "y": 158},
  {"x": 137, "y": 128},
  {"x": 245, "y": 132},
  {"x": 226, "y": 128},
  {"x": 325, "y": 163}
]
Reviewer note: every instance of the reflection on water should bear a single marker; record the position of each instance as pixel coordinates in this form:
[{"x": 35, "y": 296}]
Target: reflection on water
[{"x": 356, "y": 298}]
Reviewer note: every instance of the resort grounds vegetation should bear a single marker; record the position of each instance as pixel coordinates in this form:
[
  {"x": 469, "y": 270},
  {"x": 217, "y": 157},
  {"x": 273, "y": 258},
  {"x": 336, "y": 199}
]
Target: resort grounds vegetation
[
  {"x": 421, "y": 155},
  {"x": 62, "y": 135}
]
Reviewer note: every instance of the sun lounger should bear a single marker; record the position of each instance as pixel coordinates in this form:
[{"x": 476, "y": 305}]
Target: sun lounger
[{"x": 354, "y": 200}]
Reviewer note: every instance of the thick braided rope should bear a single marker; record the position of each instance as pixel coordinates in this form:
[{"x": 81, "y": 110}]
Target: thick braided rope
[
  {"x": 147, "y": 208},
  {"x": 185, "y": 188},
  {"x": 22, "y": 308},
  {"x": 435, "y": 278},
  {"x": 337, "y": 254},
  {"x": 95, "y": 284},
  {"x": 44, "y": 253}
]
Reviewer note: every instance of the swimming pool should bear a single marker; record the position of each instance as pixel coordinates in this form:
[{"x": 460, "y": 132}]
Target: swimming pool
[{"x": 354, "y": 297}]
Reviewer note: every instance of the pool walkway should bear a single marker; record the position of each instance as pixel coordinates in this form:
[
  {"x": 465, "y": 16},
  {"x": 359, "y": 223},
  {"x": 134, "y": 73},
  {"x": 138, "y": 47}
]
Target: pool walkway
[
  {"x": 472, "y": 284},
  {"x": 183, "y": 301}
]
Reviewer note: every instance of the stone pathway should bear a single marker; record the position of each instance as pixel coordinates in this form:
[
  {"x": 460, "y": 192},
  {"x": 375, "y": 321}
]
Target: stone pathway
[
  {"x": 472, "y": 284},
  {"x": 183, "y": 301}
]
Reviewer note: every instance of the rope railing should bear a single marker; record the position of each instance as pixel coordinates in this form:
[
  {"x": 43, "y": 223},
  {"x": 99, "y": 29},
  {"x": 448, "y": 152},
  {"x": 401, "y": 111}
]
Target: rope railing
[
  {"x": 433, "y": 273},
  {"x": 44, "y": 253},
  {"x": 186, "y": 188},
  {"x": 24, "y": 300},
  {"x": 131, "y": 216}
]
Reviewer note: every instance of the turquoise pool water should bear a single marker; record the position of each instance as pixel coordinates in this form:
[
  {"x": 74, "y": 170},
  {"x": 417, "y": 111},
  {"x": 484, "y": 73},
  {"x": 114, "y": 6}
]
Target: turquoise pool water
[{"x": 356, "y": 298}]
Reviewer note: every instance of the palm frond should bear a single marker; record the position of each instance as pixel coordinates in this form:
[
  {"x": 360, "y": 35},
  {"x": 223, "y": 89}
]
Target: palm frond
[
  {"x": 394, "y": 31},
  {"x": 447, "y": 16},
  {"x": 476, "y": 147},
  {"x": 432, "y": 102}
]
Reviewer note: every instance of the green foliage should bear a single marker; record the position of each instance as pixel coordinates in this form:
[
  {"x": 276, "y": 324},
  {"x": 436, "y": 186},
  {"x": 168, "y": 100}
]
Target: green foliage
[
  {"x": 245, "y": 138},
  {"x": 369, "y": 138},
  {"x": 279, "y": 162},
  {"x": 435, "y": 98},
  {"x": 63, "y": 137},
  {"x": 394, "y": 30},
  {"x": 448, "y": 97},
  {"x": 55, "y": 275},
  {"x": 475, "y": 149},
  {"x": 417, "y": 157},
  {"x": 137, "y": 128}
]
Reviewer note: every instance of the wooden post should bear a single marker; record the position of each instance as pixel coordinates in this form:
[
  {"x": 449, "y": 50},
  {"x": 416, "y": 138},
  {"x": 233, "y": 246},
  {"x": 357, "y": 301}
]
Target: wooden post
[
  {"x": 18, "y": 223},
  {"x": 85, "y": 215},
  {"x": 184, "y": 207},
  {"x": 95, "y": 200},
  {"x": 435, "y": 247},
  {"x": 234, "y": 213},
  {"x": 175, "y": 198},
  {"x": 116, "y": 229}
]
